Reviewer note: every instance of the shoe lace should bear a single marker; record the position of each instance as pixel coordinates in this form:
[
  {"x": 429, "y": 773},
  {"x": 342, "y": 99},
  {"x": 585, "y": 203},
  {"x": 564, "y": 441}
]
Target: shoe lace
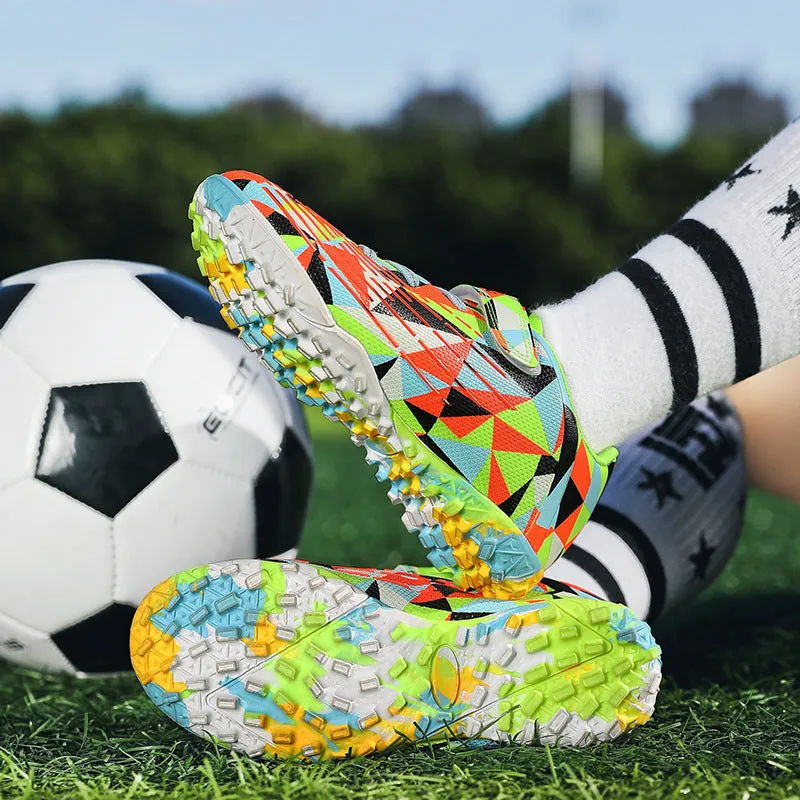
[
  {"x": 410, "y": 277},
  {"x": 522, "y": 355}
]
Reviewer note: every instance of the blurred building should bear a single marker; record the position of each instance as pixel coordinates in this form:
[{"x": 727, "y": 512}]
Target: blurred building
[
  {"x": 274, "y": 107},
  {"x": 737, "y": 107},
  {"x": 453, "y": 109}
]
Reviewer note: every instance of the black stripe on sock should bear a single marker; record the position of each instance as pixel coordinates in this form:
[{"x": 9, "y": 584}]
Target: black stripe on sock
[
  {"x": 727, "y": 270},
  {"x": 634, "y": 537},
  {"x": 674, "y": 453},
  {"x": 672, "y": 326},
  {"x": 590, "y": 565}
]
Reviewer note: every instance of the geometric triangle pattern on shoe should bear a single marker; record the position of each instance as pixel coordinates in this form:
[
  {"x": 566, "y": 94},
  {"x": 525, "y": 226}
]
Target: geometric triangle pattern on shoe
[{"x": 456, "y": 396}]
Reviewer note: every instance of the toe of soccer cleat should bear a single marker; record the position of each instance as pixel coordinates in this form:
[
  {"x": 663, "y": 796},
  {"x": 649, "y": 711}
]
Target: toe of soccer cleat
[
  {"x": 455, "y": 396},
  {"x": 291, "y": 659}
]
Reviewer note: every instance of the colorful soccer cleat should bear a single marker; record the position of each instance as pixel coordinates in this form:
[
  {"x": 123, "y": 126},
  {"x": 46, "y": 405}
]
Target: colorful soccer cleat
[
  {"x": 455, "y": 395},
  {"x": 294, "y": 659}
]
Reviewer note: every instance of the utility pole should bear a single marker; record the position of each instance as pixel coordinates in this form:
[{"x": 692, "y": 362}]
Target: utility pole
[{"x": 587, "y": 88}]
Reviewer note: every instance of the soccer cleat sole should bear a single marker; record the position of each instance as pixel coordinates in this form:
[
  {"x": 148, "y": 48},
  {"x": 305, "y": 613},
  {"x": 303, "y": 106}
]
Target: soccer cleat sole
[
  {"x": 267, "y": 295},
  {"x": 286, "y": 659}
]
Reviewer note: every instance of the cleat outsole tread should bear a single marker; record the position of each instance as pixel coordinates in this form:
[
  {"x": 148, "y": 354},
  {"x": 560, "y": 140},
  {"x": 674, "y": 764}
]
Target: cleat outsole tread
[{"x": 316, "y": 694}]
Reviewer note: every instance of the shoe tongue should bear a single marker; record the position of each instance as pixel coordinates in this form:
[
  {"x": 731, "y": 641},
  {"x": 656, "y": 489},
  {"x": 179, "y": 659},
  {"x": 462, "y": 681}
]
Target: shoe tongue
[{"x": 507, "y": 323}]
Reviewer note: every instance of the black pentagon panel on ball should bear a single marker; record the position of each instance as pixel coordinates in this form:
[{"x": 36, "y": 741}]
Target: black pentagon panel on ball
[
  {"x": 185, "y": 297},
  {"x": 103, "y": 444},
  {"x": 100, "y": 643},
  {"x": 10, "y": 298},
  {"x": 281, "y": 497}
]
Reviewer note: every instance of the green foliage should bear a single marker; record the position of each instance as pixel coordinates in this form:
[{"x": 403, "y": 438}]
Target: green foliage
[{"x": 494, "y": 205}]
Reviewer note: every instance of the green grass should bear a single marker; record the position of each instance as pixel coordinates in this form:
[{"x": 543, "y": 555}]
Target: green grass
[{"x": 727, "y": 723}]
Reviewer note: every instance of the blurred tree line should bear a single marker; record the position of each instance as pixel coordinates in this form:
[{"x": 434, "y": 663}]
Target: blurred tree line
[{"x": 438, "y": 187}]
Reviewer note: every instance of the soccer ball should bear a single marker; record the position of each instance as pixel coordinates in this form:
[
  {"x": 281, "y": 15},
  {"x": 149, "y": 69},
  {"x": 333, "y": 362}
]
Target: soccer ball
[{"x": 138, "y": 437}]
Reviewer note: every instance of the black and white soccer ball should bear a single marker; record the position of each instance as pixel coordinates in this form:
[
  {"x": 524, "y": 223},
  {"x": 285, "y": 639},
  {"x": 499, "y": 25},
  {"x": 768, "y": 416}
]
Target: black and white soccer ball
[{"x": 138, "y": 437}]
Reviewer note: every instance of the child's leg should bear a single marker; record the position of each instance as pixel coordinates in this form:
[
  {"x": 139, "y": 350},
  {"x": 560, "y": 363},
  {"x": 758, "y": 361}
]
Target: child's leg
[
  {"x": 770, "y": 412},
  {"x": 710, "y": 302},
  {"x": 671, "y": 514}
]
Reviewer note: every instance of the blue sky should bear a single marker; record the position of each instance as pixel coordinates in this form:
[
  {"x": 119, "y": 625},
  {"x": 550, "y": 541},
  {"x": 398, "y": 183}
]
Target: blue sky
[{"x": 354, "y": 60}]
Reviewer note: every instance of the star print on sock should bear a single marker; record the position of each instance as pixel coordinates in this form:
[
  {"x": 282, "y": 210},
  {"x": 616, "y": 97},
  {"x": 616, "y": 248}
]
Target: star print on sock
[
  {"x": 791, "y": 209},
  {"x": 702, "y": 558},
  {"x": 746, "y": 170},
  {"x": 660, "y": 483}
]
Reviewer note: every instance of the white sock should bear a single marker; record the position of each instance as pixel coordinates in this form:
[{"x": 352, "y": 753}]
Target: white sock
[
  {"x": 671, "y": 515},
  {"x": 711, "y": 301}
]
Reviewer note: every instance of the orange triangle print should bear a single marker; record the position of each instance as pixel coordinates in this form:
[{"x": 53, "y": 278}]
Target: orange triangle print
[
  {"x": 264, "y": 208},
  {"x": 508, "y": 440},
  {"x": 442, "y": 362},
  {"x": 580, "y": 470},
  {"x": 534, "y": 533},
  {"x": 463, "y": 426},
  {"x": 238, "y": 174},
  {"x": 498, "y": 491},
  {"x": 431, "y": 402},
  {"x": 564, "y": 530}
]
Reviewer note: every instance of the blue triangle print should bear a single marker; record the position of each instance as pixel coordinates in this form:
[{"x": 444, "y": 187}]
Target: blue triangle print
[
  {"x": 593, "y": 495},
  {"x": 469, "y": 458},
  {"x": 492, "y": 606},
  {"x": 379, "y": 359},
  {"x": 548, "y": 400},
  {"x": 340, "y": 294},
  {"x": 548, "y": 509},
  {"x": 469, "y": 380},
  {"x": 494, "y": 379},
  {"x": 413, "y": 385},
  {"x": 254, "y": 191},
  {"x": 437, "y": 383}
]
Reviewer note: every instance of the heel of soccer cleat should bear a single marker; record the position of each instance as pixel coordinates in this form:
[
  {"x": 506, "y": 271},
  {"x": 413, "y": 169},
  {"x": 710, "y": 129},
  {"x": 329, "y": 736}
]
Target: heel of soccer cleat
[
  {"x": 268, "y": 296},
  {"x": 297, "y": 660}
]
